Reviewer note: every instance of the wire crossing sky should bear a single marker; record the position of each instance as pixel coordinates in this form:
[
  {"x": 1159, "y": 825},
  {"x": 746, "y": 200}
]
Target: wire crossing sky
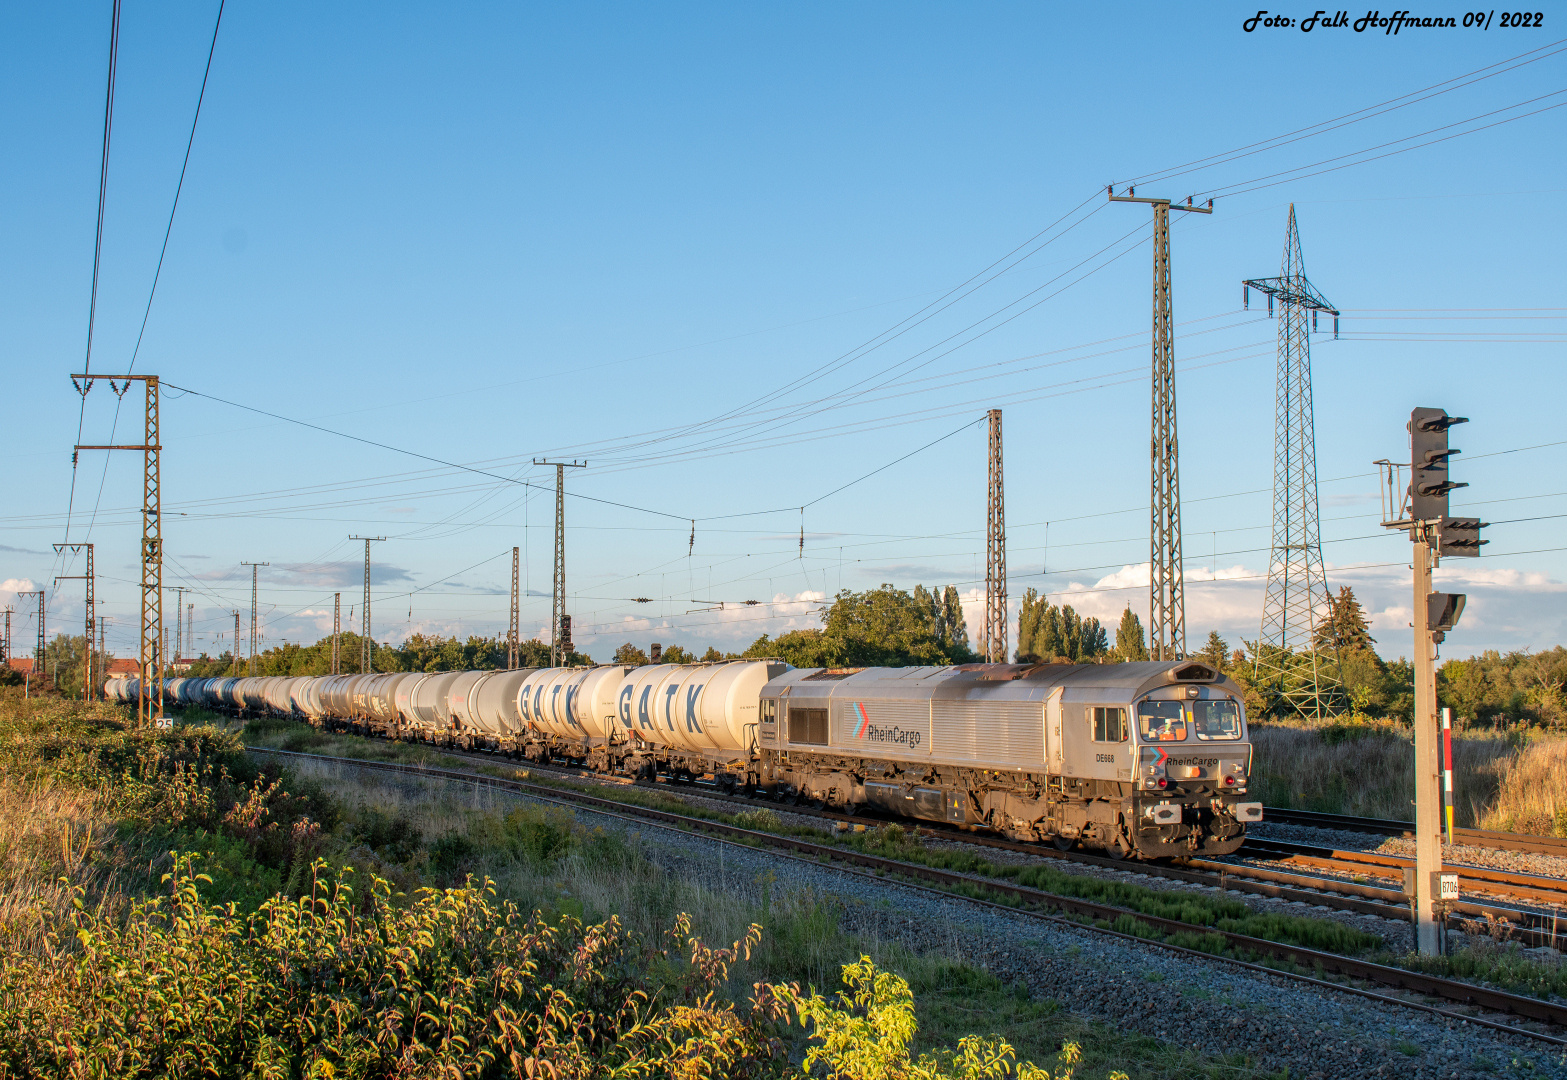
[{"x": 765, "y": 271}]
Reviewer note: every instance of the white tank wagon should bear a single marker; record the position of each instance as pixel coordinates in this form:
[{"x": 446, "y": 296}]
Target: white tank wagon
[
  {"x": 429, "y": 704},
  {"x": 698, "y": 718},
  {"x": 494, "y": 707},
  {"x": 1149, "y": 758}
]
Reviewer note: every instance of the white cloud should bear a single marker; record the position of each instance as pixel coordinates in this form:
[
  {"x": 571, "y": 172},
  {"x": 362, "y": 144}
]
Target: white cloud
[{"x": 16, "y": 585}]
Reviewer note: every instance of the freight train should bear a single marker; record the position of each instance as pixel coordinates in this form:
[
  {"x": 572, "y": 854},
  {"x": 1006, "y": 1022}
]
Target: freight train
[{"x": 1142, "y": 759}]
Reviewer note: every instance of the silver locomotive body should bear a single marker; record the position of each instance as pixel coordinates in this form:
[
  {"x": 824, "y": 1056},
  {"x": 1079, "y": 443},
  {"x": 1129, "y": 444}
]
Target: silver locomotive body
[{"x": 1150, "y": 758}]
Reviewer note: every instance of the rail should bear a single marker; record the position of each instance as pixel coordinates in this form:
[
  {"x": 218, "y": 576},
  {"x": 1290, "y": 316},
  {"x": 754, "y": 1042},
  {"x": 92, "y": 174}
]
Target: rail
[{"x": 1492, "y": 838}]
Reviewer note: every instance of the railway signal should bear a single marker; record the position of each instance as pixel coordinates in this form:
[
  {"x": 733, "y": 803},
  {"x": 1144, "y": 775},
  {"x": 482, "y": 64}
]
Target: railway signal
[{"x": 1421, "y": 508}]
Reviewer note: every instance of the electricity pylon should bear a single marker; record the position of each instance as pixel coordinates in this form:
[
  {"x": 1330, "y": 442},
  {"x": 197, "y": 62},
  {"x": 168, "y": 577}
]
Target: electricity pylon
[
  {"x": 149, "y": 700},
  {"x": 337, "y": 633},
  {"x": 1166, "y": 585},
  {"x": 995, "y": 630},
  {"x": 512, "y": 630},
  {"x": 88, "y": 642},
  {"x": 255, "y": 568},
  {"x": 38, "y": 656},
  {"x": 366, "y": 648},
  {"x": 560, "y": 623},
  {"x": 1297, "y": 597}
]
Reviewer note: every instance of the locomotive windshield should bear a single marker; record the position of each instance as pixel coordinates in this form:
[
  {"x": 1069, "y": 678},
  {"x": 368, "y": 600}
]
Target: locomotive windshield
[
  {"x": 1161, "y": 721},
  {"x": 1216, "y": 719}
]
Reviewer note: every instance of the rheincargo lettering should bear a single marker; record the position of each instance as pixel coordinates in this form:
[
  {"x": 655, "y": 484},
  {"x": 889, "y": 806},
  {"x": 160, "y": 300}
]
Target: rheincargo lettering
[{"x": 895, "y": 735}]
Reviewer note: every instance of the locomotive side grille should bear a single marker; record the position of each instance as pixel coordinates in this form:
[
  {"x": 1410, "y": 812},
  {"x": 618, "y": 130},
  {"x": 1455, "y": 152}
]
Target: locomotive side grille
[{"x": 1010, "y": 733}]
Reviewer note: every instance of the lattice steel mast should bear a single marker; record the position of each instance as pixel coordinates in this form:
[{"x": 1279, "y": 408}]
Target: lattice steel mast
[
  {"x": 91, "y": 631},
  {"x": 150, "y": 663},
  {"x": 512, "y": 627},
  {"x": 38, "y": 656},
  {"x": 995, "y": 630},
  {"x": 255, "y": 568},
  {"x": 337, "y": 633},
  {"x": 366, "y": 648},
  {"x": 560, "y": 622},
  {"x": 1166, "y": 587},
  {"x": 1297, "y": 596}
]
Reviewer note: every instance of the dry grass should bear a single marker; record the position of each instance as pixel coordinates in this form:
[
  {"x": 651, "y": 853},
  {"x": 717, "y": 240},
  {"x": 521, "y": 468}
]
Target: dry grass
[
  {"x": 1501, "y": 779},
  {"x": 48, "y": 832},
  {"x": 1532, "y": 791}
]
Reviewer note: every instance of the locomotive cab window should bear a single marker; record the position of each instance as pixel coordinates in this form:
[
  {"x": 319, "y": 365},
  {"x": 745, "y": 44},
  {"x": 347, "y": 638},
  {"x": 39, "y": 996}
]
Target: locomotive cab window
[
  {"x": 1161, "y": 721},
  {"x": 1217, "y": 718},
  {"x": 808, "y": 726},
  {"x": 1109, "y": 723}
]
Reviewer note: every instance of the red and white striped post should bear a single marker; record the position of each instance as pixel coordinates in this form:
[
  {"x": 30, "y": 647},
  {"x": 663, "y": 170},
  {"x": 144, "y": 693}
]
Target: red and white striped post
[{"x": 1447, "y": 771}]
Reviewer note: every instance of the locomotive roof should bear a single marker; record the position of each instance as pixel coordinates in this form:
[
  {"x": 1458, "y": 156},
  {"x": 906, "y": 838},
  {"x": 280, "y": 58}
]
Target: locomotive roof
[{"x": 1129, "y": 679}]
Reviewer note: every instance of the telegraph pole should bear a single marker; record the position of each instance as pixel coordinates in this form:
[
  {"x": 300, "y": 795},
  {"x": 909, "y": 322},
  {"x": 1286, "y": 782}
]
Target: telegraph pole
[
  {"x": 1167, "y": 593},
  {"x": 366, "y": 649},
  {"x": 337, "y": 633},
  {"x": 512, "y": 631},
  {"x": 1421, "y": 510},
  {"x": 255, "y": 569},
  {"x": 190, "y": 628},
  {"x": 149, "y": 705},
  {"x": 995, "y": 631},
  {"x": 91, "y": 631},
  {"x": 560, "y": 622},
  {"x": 1297, "y": 597}
]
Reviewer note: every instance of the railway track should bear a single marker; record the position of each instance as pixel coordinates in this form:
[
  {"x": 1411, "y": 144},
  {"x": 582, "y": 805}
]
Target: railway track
[
  {"x": 1505, "y": 841},
  {"x": 1044, "y": 905},
  {"x": 1530, "y": 888},
  {"x": 1529, "y": 927}
]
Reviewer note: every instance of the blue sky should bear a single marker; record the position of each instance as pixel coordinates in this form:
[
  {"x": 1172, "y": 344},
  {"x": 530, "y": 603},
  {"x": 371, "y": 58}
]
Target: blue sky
[{"x": 660, "y": 238}]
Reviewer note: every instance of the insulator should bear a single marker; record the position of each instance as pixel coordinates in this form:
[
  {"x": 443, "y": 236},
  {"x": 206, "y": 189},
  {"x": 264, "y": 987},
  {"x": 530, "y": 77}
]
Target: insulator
[
  {"x": 1313, "y": 321},
  {"x": 1245, "y": 297},
  {"x": 1335, "y": 328},
  {"x": 1270, "y": 305}
]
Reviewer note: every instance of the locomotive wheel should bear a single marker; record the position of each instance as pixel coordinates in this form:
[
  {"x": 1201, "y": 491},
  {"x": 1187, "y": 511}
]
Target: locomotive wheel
[
  {"x": 1119, "y": 848},
  {"x": 1063, "y": 843}
]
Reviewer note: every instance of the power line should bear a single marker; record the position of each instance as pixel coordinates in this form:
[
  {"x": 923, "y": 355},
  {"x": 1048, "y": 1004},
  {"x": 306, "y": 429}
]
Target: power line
[{"x": 179, "y": 187}]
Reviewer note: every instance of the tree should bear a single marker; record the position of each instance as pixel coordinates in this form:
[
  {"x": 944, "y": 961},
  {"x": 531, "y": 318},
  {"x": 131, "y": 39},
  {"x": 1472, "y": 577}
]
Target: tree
[
  {"x": 1093, "y": 641},
  {"x": 954, "y": 630},
  {"x": 879, "y": 627},
  {"x": 1343, "y": 627},
  {"x": 630, "y": 654},
  {"x": 1216, "y": 652},
  {"x": 712, "y": 655},
  {"x": 1029, "y": 613},
  {"x": 1129, "y": 642},
  {"x": 676, "y": 655}
]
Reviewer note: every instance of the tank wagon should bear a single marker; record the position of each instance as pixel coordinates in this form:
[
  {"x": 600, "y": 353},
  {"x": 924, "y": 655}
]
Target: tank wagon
[{"x": 1146, "y": 759}]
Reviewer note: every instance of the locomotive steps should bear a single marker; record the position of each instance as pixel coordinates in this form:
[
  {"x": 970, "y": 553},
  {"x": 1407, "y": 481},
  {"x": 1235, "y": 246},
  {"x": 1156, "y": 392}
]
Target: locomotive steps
[{"x": 1158, "y": 930}]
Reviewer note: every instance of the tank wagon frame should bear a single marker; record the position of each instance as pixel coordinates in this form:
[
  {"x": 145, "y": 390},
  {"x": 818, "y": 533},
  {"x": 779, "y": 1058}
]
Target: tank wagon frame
[{"x": 1150, "y": 759}]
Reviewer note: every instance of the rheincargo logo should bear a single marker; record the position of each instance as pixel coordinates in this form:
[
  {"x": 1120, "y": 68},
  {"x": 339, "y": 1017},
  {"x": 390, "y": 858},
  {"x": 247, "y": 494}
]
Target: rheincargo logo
[
  {"x": 894, "y": 734},
  {"x": 858, "y": 707}
]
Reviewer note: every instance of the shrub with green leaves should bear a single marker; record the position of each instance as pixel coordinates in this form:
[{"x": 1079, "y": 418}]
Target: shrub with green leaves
[{"x": 457, "y": 983}]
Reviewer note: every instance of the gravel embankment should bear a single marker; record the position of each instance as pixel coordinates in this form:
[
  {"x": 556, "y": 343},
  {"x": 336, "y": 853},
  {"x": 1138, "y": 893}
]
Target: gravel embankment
[{"x": 1205, "y": 1005}]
